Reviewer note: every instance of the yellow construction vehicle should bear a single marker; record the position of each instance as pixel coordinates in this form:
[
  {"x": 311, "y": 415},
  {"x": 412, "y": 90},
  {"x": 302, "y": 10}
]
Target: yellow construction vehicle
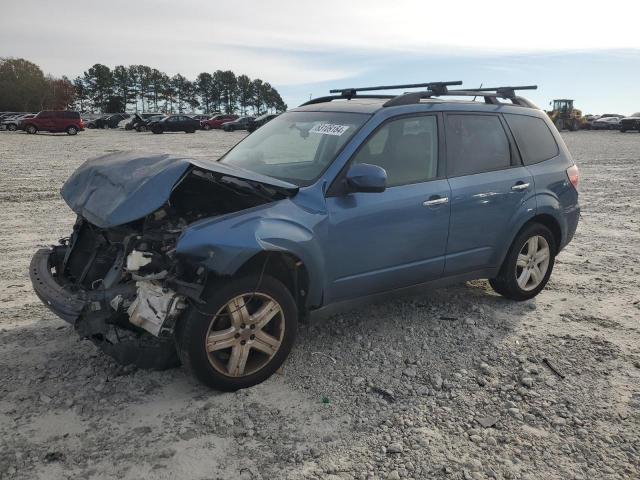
[{"x": 565, "y": 117}]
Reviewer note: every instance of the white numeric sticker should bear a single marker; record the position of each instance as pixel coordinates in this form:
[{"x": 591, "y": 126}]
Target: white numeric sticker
[{"x": 329, "y": 129}]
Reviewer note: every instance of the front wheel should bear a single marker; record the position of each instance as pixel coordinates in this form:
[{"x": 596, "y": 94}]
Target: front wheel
[
  {"x": 12, "y": 127},
  {"x": 241, "y": 336},
  {"x": 528, "y": 264}
]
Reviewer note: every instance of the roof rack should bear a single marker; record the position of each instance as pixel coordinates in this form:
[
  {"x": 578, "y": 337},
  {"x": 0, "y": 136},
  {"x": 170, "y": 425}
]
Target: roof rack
[
  {"x": 434, "y": 89},
  {"x": 490, "y": 94},
  {"x": 349, "y": 93}
]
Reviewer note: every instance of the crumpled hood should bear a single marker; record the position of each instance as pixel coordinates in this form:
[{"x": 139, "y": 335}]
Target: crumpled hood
[{"x": 119, "y": 188}]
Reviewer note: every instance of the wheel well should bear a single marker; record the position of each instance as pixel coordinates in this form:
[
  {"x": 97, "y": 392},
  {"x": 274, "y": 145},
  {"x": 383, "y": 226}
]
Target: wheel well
[
  {"x": 552, "y": 224},
  {"x": 287, "y": 268}
]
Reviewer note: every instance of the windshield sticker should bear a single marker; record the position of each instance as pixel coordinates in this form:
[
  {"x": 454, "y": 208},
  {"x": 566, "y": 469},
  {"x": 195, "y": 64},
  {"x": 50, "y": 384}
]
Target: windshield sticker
[{"x": 329, "y": 129}]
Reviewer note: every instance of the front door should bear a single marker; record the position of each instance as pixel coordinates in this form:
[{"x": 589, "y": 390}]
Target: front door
[{"x": 396, "y": 238}]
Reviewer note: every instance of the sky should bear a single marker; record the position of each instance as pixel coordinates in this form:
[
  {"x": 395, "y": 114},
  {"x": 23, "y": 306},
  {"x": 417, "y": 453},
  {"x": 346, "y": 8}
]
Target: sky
[{"x": 570, "y": 49}]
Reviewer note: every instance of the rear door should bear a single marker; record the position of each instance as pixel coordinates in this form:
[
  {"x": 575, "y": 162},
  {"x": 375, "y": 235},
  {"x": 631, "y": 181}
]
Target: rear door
[
  {"x": 489, "y": 190},
  {"x": 396, "y": 238},
  {"x": 47, "y": 121}
]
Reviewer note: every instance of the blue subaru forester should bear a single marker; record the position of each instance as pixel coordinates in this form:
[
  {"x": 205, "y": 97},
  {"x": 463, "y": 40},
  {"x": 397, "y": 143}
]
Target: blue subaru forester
[{"x": 211, "y": 263}]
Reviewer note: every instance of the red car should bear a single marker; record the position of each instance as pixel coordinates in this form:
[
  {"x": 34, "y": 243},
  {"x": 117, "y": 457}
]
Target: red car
[
  {"x": 217, "y": 120},
  {"x": 53, "y": 121}
]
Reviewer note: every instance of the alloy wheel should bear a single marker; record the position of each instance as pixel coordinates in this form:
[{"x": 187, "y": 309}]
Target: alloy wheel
[
  {"x": 245, "y": 334},
  {"x": 532, "y": 262}
]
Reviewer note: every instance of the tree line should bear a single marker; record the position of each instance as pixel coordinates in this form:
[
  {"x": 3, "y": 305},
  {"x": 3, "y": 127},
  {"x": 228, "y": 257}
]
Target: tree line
[{"x": 23, "y": 87}]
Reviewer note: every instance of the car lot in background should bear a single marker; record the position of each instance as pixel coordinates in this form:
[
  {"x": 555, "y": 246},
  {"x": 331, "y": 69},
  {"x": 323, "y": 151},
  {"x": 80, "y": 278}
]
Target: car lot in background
[
  {"x": 606, "y": 123},
  {"x": 175, "y": 123},
  {"x": 258, "y": 122},
  {"x": 217, "y": 120},
  {"x": 53, "y": 121},
  {"x": 241, "y": 123},
  {"x": 631, "y": 122}
]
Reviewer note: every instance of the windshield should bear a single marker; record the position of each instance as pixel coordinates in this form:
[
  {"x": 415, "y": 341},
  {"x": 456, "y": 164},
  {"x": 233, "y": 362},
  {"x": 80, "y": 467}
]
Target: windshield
[{"x": 296, "y": 146}]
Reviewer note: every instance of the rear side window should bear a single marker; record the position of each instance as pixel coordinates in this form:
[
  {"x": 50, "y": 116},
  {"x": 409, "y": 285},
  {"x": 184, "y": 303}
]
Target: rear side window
[
  {"x": 406, "y": 148},
  {"x": 73, "y": 115},
  {"x": 475, "y": 143},
  {"x": 533, "y": 137}
]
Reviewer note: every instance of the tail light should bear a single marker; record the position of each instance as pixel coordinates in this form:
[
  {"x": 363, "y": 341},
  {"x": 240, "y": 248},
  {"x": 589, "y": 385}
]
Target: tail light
[{"x": 573, "y": 174}]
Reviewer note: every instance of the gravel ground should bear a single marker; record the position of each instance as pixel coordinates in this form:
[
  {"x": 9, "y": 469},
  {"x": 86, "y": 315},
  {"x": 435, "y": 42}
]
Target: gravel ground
[{"x": 451, "y": 384}]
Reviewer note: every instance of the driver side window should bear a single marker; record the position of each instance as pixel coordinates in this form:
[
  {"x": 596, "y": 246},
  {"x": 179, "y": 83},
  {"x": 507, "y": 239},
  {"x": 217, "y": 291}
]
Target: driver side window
[{"x": 407, "y": 148}]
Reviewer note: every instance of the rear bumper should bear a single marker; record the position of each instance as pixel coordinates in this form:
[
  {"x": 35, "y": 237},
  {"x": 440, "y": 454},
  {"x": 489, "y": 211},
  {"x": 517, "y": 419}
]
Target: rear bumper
[
  {"x": 572, "y": 218},
  {"x": 64, "y": 303}
]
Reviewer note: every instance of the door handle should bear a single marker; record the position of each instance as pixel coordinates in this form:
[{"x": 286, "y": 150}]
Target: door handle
[
  {"x": 520, "y": 186},
  {"x": 435, "y": 201}
]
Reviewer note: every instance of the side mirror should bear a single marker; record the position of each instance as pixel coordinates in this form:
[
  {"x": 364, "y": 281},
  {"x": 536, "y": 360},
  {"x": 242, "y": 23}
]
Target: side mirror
[{"x": 363, "y": 177}]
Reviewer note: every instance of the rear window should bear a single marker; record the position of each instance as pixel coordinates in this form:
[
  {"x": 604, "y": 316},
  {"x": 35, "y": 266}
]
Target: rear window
[
  {"x": 475, "y": 144},
  {"x": 533, "y": 137}
]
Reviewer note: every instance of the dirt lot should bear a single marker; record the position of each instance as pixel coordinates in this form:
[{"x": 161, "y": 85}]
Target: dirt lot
[{"x": 451, "y": 384}]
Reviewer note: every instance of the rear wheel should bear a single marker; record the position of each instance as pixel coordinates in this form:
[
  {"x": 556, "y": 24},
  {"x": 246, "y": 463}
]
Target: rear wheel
[
  {"x": 528, "y": 264},
  {"x": 31, "y": 129},
  {"x": 72, "y": 130},
  {"x": 206, "y": 126},
  {"x": 157, "y": 130},
  {"x": 12, "y": 127},
  {"x": 241, "y": 336},
  {"x": 141, "y": 128}
]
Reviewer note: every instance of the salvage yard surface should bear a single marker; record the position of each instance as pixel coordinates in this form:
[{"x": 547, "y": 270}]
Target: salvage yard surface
[{"x": 456, "y": 383}]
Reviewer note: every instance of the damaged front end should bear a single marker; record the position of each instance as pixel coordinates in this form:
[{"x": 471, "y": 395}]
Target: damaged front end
[{"x": 122, "y": 285}]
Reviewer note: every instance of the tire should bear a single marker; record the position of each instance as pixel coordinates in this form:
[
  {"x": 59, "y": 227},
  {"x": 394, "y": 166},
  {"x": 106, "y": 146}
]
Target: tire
[
  {"x": 157, "y": 131},
  {"x": 213, "y": 368},
  {"x": 559, "y": 123},
  {"x": 573, "y": 126},
  {"x": 141, "y": 128},
  {"x": 12, "y": 127},
  {"x": 191, "y": 130},
  {"x": 105, "y": 127},
  {"x": 206, "y": 126},
  {"x": 31, "y": 129},
  {"x": 72, "y": 130},
  {"x": 506, "y": 283},
  {"x": 622, "y": 130}
]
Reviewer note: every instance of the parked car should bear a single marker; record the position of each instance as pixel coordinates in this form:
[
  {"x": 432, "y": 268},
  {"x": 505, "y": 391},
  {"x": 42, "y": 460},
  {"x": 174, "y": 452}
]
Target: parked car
[
  {"x": 200, "y": 116},
  {"x": 141, "y": 118},
  {"x": 109, "y": 121},
  {"x": 145, "y": 123},
  {"x": 12, "y": 123},
  {"x": 606, "y": 123},
  {"x": 53, "y": 121},
  {"x": 630, "y": 123},
  {"x": 329, "y": 203},
  {"x": 175, "y": 123},
  {"x": 256, "y": 123},
  {"x": 241, "y": 123},
  {"x": 216, "y": 121}
]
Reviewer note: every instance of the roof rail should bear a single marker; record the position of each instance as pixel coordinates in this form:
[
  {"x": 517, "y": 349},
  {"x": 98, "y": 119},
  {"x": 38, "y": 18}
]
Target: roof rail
[{"x": 490, "y": 94}]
